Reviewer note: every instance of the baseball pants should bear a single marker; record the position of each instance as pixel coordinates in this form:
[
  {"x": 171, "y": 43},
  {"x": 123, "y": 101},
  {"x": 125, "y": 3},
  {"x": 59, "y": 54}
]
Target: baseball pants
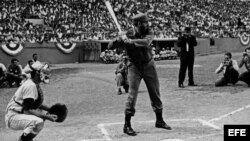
[
  {"x": 27, "y": 123},
  {"x": 148, "y": 73}
]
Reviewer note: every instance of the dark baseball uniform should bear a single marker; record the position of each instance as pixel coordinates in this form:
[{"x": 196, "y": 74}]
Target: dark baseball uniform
[{"x": 142, "y": 66}]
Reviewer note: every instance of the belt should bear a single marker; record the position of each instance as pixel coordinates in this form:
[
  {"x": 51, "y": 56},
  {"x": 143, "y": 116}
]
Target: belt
[{"x": 141, "y": 63}]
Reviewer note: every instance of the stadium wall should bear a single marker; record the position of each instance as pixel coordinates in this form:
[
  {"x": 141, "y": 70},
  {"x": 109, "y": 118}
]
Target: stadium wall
[
  {"x": 229, "y": 45},
  {"x": 90, "y": 51},
  {"x": 48, "y": 52},
  {"x": 202, "y": 47}
]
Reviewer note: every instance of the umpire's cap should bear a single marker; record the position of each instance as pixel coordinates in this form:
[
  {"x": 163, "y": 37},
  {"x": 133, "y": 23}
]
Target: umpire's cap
[{"x": 140, "y": 17}]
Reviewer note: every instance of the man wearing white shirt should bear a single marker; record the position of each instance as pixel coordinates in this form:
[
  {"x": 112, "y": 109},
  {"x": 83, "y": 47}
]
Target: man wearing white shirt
[
  {"x": 35, "y": 58},
  {"x": 230, "y": 68}
]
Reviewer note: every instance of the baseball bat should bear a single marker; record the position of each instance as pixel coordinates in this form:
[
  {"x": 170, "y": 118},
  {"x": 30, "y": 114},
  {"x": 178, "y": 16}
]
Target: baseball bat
[{"x": 110, "y": 9}]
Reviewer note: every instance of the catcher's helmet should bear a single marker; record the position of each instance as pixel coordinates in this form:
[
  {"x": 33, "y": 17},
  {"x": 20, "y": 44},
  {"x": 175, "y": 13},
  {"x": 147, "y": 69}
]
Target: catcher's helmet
[{"x": 60, "y": 110}]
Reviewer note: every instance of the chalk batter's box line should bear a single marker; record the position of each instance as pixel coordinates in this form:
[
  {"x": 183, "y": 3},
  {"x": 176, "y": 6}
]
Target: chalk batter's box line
[
  {"x": 229, "y": 114},
  {"x": 106, "y": 135}
]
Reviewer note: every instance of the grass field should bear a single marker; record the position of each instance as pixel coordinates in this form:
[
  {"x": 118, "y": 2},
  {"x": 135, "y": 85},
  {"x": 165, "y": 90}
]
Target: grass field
[{"x": 96, "y": 113}]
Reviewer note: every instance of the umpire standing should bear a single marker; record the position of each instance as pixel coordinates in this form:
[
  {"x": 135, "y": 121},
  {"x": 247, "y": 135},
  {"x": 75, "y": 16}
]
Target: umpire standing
[
  {"x": 186, "y": 42},
  {"x": 141, "y": 66}
]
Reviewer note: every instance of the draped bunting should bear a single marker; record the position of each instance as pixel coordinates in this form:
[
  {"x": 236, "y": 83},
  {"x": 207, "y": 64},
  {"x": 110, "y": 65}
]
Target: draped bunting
[
  {"x": 244, "y": 39},
  {"x": 12, "y": 48},
  {"x": 66, "y": 47}
]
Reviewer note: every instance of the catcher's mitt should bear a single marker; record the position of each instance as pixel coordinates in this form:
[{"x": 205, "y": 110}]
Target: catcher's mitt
[{"x": 60, "y": 110}]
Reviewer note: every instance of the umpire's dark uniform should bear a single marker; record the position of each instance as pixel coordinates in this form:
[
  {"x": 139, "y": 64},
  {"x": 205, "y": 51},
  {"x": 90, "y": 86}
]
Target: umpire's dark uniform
[
  {"x": 186, "y": 43},
  {"x": 141, "y": 66}
]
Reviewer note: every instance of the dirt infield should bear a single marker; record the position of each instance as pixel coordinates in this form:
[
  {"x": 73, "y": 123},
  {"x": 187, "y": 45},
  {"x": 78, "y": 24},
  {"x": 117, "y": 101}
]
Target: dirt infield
[{"x": 96, "y": 113}]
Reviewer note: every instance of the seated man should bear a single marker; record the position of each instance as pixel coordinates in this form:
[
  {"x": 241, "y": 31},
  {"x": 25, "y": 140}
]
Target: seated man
[
  {"x": 173, "y": 53},
  {"x": 163, "y": 54},
  {"x": 121, "y": 76},
  {"x": 2, "y": 74},
  {"x": 103, "y": 55},
  {"x": 155, "y": 56},
  {"x": 245, "y": 76},
  {"x": 14, "y": 73},
  {"x": 28, "y": 68},
  {"x": 230, "y": 69}
]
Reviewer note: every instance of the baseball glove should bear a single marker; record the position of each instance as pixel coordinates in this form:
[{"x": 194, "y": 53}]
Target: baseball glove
[{"x": 60, "y": 110}]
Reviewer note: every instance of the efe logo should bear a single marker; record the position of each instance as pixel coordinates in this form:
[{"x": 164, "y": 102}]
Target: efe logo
[{"x": 237, "y": 132}]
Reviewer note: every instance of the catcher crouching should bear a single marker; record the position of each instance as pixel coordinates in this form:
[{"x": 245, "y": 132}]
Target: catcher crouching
[{"x": 26, "y": 110}]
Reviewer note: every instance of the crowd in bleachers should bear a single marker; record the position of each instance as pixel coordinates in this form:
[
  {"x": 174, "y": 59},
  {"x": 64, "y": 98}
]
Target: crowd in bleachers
[{"x": 78, "y": 20}]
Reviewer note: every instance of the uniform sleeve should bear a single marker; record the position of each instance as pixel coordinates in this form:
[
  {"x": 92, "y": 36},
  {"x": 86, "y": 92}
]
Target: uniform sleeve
[
  {"x": 30, "y": 92},
  {"x": 116, "y": 43},
  {"x": 146, "y": 42}
]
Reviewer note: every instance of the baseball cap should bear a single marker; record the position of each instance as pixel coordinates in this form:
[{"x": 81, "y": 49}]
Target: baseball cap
[{"x": 140, "y": 17}]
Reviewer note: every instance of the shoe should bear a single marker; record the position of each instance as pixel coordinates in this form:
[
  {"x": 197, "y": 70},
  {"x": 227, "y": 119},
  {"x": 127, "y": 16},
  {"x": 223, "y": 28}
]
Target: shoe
[
  {"x": 28, "y": 137},
  {"x": 192, "y": 84},
  {"x": 119, "y": 92},
  {"x": 162, "y": 124},
  {"x": 128, "y": 130},
  {"x": 181, "y": 86}
]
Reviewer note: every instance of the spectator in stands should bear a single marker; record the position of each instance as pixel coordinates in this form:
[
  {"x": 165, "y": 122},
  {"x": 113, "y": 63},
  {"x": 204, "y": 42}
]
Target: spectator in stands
[
  {"x": 14, "y": 73},
  {"x": 230, "y": 68},
  {"x": 167, "y": 16},
  {"x": 121, "y": 75},
  {"x": 245, "y": 76}
]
